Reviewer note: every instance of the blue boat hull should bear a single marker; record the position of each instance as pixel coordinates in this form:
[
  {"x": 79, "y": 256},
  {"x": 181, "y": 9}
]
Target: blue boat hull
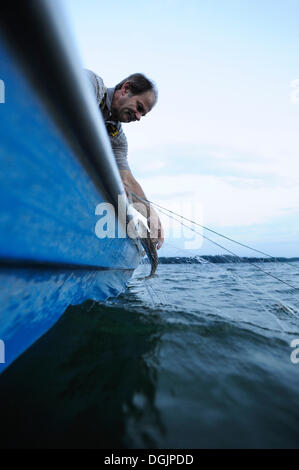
[
  {"x": 50, "y": 256},
  {"x": 47, "y": 198}
]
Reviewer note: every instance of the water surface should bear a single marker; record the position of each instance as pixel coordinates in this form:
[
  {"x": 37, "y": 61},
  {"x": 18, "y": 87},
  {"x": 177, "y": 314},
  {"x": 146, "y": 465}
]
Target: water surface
[{"x": 198, "y": 357}]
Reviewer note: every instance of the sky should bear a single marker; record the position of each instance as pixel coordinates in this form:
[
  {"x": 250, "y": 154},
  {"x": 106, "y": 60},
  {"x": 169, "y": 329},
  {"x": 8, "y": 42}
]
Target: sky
[{"x": 222, "y": 144}]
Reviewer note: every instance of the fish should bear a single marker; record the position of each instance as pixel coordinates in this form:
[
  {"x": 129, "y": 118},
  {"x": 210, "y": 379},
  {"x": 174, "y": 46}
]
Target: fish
[
  {"x": 151, "y": 252},
  {"x": 143, "y": 231}
]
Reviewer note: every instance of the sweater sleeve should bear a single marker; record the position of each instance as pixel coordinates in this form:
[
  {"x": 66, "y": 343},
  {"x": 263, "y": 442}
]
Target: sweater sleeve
[
  {"x": 120, "y": 149},
  {"x": 119, "y": 143}
]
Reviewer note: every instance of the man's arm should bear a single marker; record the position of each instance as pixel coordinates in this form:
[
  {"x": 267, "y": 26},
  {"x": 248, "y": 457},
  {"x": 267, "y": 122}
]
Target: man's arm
[{"x": 132, "y": 186}]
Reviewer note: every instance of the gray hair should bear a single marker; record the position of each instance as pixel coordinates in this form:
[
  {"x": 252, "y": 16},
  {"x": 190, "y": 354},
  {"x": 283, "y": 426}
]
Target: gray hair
[{"x": 139, "y": 83}]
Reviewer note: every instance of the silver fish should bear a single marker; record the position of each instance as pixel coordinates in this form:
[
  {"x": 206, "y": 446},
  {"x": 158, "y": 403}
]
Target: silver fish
[{"x": 151, "y": 251}]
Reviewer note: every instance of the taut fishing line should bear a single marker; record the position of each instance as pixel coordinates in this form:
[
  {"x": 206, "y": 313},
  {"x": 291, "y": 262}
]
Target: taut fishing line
[
  {"x": 247, "y": 284},
  {"x": 290, "y": 308},
  {"x": 239, "y": 259},
  {"x": 210, "y": 230},
  {"x": 215, "y": 243}
]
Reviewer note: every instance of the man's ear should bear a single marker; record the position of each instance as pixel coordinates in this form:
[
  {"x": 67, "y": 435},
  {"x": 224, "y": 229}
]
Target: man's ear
[{"x": 125, "y": 89}]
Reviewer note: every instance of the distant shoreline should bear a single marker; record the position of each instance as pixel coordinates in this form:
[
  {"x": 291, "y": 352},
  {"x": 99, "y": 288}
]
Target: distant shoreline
[{"x": 222, "y": 259}]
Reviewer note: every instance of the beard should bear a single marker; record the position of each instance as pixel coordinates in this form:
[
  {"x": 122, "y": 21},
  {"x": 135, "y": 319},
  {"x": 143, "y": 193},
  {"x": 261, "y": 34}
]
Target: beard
[{"x": 123, "y": 115}]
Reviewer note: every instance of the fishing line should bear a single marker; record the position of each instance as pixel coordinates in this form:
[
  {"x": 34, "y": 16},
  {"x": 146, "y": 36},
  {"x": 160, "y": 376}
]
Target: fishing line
[
  {"x": 148, "y": 286},
  {"x": 290, "y": 309},
  {"x": 243, "y": 282},
  {"x": 231, "y": 252},
  {"x": 221, "y": 313},
  {"x": 206, "y": 228}
]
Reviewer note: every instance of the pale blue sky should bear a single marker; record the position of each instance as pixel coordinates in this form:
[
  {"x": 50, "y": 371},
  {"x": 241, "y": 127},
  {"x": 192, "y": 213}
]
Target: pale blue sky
[{"x": 224, "y": 135}]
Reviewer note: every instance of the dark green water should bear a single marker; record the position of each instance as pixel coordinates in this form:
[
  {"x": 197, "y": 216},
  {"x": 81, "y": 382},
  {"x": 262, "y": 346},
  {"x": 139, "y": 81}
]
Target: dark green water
[{"x": 191, "y": 359}]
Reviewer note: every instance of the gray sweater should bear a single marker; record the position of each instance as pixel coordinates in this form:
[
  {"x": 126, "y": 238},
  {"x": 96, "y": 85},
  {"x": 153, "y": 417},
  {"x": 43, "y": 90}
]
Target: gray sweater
[{"x": 117, "y": 136}]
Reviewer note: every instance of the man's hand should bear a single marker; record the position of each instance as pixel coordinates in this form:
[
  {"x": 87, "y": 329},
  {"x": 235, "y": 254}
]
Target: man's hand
[
  {"x": 132, "y": 186},
  {"x": 156, "y": 229}
]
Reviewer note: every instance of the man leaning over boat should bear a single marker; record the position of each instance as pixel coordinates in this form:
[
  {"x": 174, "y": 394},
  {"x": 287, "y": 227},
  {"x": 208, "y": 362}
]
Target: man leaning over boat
[{"x": 128, "y": 101}]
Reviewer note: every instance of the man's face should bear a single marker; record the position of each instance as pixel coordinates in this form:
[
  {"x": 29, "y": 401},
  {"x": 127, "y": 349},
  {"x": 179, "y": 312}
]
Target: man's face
[{"x": 128, "y": 108}]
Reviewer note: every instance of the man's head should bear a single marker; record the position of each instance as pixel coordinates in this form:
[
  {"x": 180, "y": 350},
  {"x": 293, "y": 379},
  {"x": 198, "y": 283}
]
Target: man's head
[{"x": 133, "y": 98}]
